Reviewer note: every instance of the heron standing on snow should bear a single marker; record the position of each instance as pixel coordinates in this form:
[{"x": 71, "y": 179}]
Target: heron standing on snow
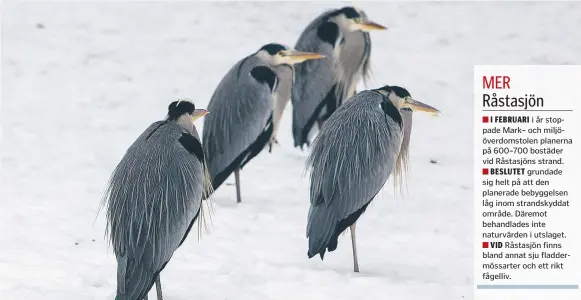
[
  {"x": 154, "y": 197},
  {"x": 321, "y": 86},
  {"x": 364, "y": 142},
  {"x": 246, "y": 108}
]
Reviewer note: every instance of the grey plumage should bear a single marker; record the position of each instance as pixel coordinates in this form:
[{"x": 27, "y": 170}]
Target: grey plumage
[
  {"x": 362, "y": 144},
  {"x": 241, "y": 111},
  {"x": 313, "y": 82},
  {"x": 246, "y": 107},
  {"x": 152, "y": 200},
  {"x": 323, "y": 85}
]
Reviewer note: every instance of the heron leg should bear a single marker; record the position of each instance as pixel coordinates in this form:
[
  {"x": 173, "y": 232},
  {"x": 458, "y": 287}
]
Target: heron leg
[
  {"x": 353, "y": 243},
  {"x": 158, "y": 288},
  {"x": 237, "y": 177}
]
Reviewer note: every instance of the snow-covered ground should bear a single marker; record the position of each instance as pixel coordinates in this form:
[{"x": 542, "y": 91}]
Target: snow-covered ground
[{"x": 82, "y": 81}]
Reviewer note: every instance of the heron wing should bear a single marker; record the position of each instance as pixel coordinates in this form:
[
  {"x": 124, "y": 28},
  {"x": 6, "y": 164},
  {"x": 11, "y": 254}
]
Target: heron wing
[
  {"x": 153, "y": 196},
  {"x": 314, "y": 81},
  {"x": 353, "y": 156},
  {"x": 240, "y": 111}
]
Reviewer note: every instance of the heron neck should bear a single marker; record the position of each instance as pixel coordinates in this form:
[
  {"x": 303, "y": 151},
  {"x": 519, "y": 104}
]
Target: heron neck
[{"x": 186, "y": 122}]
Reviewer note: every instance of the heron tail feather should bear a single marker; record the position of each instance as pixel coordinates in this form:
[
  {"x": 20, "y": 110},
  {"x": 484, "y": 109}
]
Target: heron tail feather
[
  {"x": 133, "y": 280},
  {"x": 320, "y": 229}
]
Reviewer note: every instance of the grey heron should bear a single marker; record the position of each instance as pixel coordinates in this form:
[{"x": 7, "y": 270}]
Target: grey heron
[
  {"x": 342, "y": 35},
  {"x": 246, "y": 108},
  {"x": 364, "y": 142},
  {"x": 154, "y": 197}
]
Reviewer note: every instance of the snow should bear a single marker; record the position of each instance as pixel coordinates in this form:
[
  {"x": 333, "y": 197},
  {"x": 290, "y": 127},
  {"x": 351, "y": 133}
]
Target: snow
[{"x": 77, "y": 92}]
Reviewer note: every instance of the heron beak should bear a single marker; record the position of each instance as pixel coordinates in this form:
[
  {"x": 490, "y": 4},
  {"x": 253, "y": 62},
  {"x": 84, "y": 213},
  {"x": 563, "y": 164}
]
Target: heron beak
[
  {"x": 198, "y": 113},
  {"x": 370, "y": 26},
  {"x": 419, "y": 106},
  {"x": 295, "y": 57}
]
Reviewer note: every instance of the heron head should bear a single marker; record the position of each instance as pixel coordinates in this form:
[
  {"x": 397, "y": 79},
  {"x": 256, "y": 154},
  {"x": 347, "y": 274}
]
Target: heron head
[
  {"x": 277, "y": 54},
  {"x": 184, "y": 108},
  {"x": 354, "y": 19},
  {"x": 401, "y": 98}
]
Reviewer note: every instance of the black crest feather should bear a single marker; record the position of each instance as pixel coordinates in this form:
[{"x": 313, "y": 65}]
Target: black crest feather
[
  {"x": 180, "y": 107},
  {"x": 349, "y": 11},
  {"x": 273, "y": 48},
  {"x": 400, "y": 92}
]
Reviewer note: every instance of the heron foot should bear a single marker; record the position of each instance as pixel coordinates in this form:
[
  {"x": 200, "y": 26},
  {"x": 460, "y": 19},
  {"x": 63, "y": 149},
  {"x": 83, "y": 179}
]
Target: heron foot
[{"x": 272, "y": 141}]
